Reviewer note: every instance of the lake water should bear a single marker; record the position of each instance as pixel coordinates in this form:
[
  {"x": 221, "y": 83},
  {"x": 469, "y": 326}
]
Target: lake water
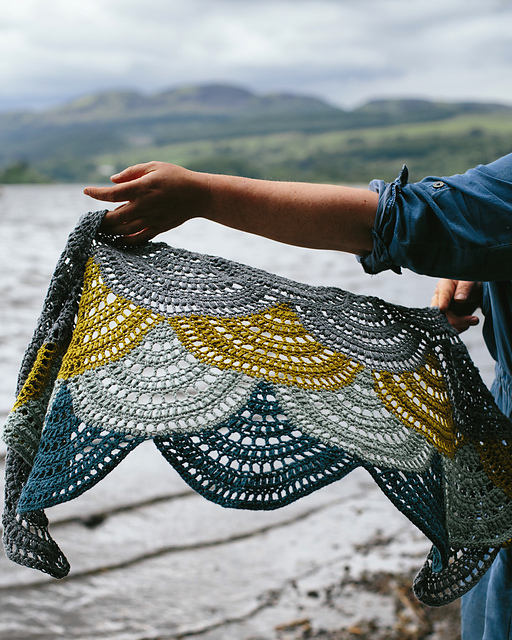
[{"x": 166, "y": 593}]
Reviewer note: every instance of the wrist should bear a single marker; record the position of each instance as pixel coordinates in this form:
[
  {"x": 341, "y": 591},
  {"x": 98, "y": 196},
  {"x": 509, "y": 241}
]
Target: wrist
[
  {"x": 225, "y": 198},
  {"x": 197, "y": 194}
]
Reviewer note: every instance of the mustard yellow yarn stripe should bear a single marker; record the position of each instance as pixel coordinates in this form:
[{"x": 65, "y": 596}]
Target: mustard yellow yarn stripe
[
  {"x": 107, "y": 328},
  {"x": 495, "y": 458},
  {"x": 420, "y": 400},
  {"x": 39, "y": 375},
  {"x": 272, "y": 344}
]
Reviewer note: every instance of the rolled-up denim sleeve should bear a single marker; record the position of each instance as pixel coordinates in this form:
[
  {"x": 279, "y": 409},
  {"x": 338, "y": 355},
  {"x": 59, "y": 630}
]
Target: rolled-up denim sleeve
[{"x": 456, "y": 227}]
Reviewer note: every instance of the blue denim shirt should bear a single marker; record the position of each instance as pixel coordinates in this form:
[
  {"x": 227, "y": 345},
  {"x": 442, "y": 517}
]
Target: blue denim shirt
[{"x": 455, "y": 227}]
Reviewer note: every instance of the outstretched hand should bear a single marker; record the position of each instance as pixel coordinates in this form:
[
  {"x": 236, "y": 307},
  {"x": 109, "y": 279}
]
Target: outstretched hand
[
  {"x": 156, "y": 197},
  {"x": 458, "y": 300}
]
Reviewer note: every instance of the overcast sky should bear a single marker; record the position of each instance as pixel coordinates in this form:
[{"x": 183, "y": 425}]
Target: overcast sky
[{"x": 346, "y": 51}]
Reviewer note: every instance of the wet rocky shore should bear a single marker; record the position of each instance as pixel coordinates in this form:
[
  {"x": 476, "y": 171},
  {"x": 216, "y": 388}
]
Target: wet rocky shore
[{"x": 151, "y": 560}]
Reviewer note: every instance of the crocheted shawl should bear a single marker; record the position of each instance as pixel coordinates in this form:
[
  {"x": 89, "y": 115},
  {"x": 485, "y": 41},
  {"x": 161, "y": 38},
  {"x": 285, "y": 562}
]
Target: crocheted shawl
[{"x": 257, "y": 390}]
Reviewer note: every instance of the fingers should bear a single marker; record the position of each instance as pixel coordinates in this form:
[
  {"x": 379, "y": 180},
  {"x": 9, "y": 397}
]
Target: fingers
[
  {"x": 463, "y": 290},
  {"x": 116, "y": 193},
  {"x": 443, "y": 294},
  {"x": 458, "y": 299},
  {"x": 99, "y": 193},
  {"x": 461, "y": 323},
  {"x": 134, "y": 172},
  {"x": 137, "y": 238},
  {"x": 448, "y": 291},
  {"x": 123, "y": 228},
  {"x": 126, "y": 185},
  {"x": 123, "y": 220}
]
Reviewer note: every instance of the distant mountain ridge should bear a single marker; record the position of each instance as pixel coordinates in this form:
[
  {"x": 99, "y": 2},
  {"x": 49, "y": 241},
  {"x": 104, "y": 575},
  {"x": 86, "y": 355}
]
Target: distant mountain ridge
[
  {"x": 202, "y": 100},
  {"x": 64, "y": 142},
  {"x": 227, "y": 100}
]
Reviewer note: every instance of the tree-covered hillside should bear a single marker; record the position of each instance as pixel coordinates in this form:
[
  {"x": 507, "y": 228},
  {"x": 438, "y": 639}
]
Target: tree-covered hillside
[{"x": 231, "y": 130}]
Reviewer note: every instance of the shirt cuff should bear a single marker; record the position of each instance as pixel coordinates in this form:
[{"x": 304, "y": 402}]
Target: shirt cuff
[{"x": 379, "y": 260}]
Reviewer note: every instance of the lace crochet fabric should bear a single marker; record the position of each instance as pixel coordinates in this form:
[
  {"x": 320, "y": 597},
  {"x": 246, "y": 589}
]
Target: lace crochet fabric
[{"x": 257, "y": 390}]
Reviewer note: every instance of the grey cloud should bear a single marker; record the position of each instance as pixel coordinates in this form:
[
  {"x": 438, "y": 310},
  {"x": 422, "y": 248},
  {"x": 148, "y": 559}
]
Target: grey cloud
[{"x": 346, "y": 51}]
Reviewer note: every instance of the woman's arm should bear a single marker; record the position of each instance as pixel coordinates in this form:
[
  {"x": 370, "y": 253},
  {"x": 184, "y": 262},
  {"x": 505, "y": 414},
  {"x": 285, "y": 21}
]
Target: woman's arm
[{"x": 158, "y": 196}]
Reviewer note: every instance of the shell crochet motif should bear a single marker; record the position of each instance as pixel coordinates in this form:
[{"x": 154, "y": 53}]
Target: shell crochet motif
[{"x": 257, "y": 390}]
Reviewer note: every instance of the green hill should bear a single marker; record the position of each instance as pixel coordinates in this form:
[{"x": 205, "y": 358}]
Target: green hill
[{"x": 228, "y": 129}]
